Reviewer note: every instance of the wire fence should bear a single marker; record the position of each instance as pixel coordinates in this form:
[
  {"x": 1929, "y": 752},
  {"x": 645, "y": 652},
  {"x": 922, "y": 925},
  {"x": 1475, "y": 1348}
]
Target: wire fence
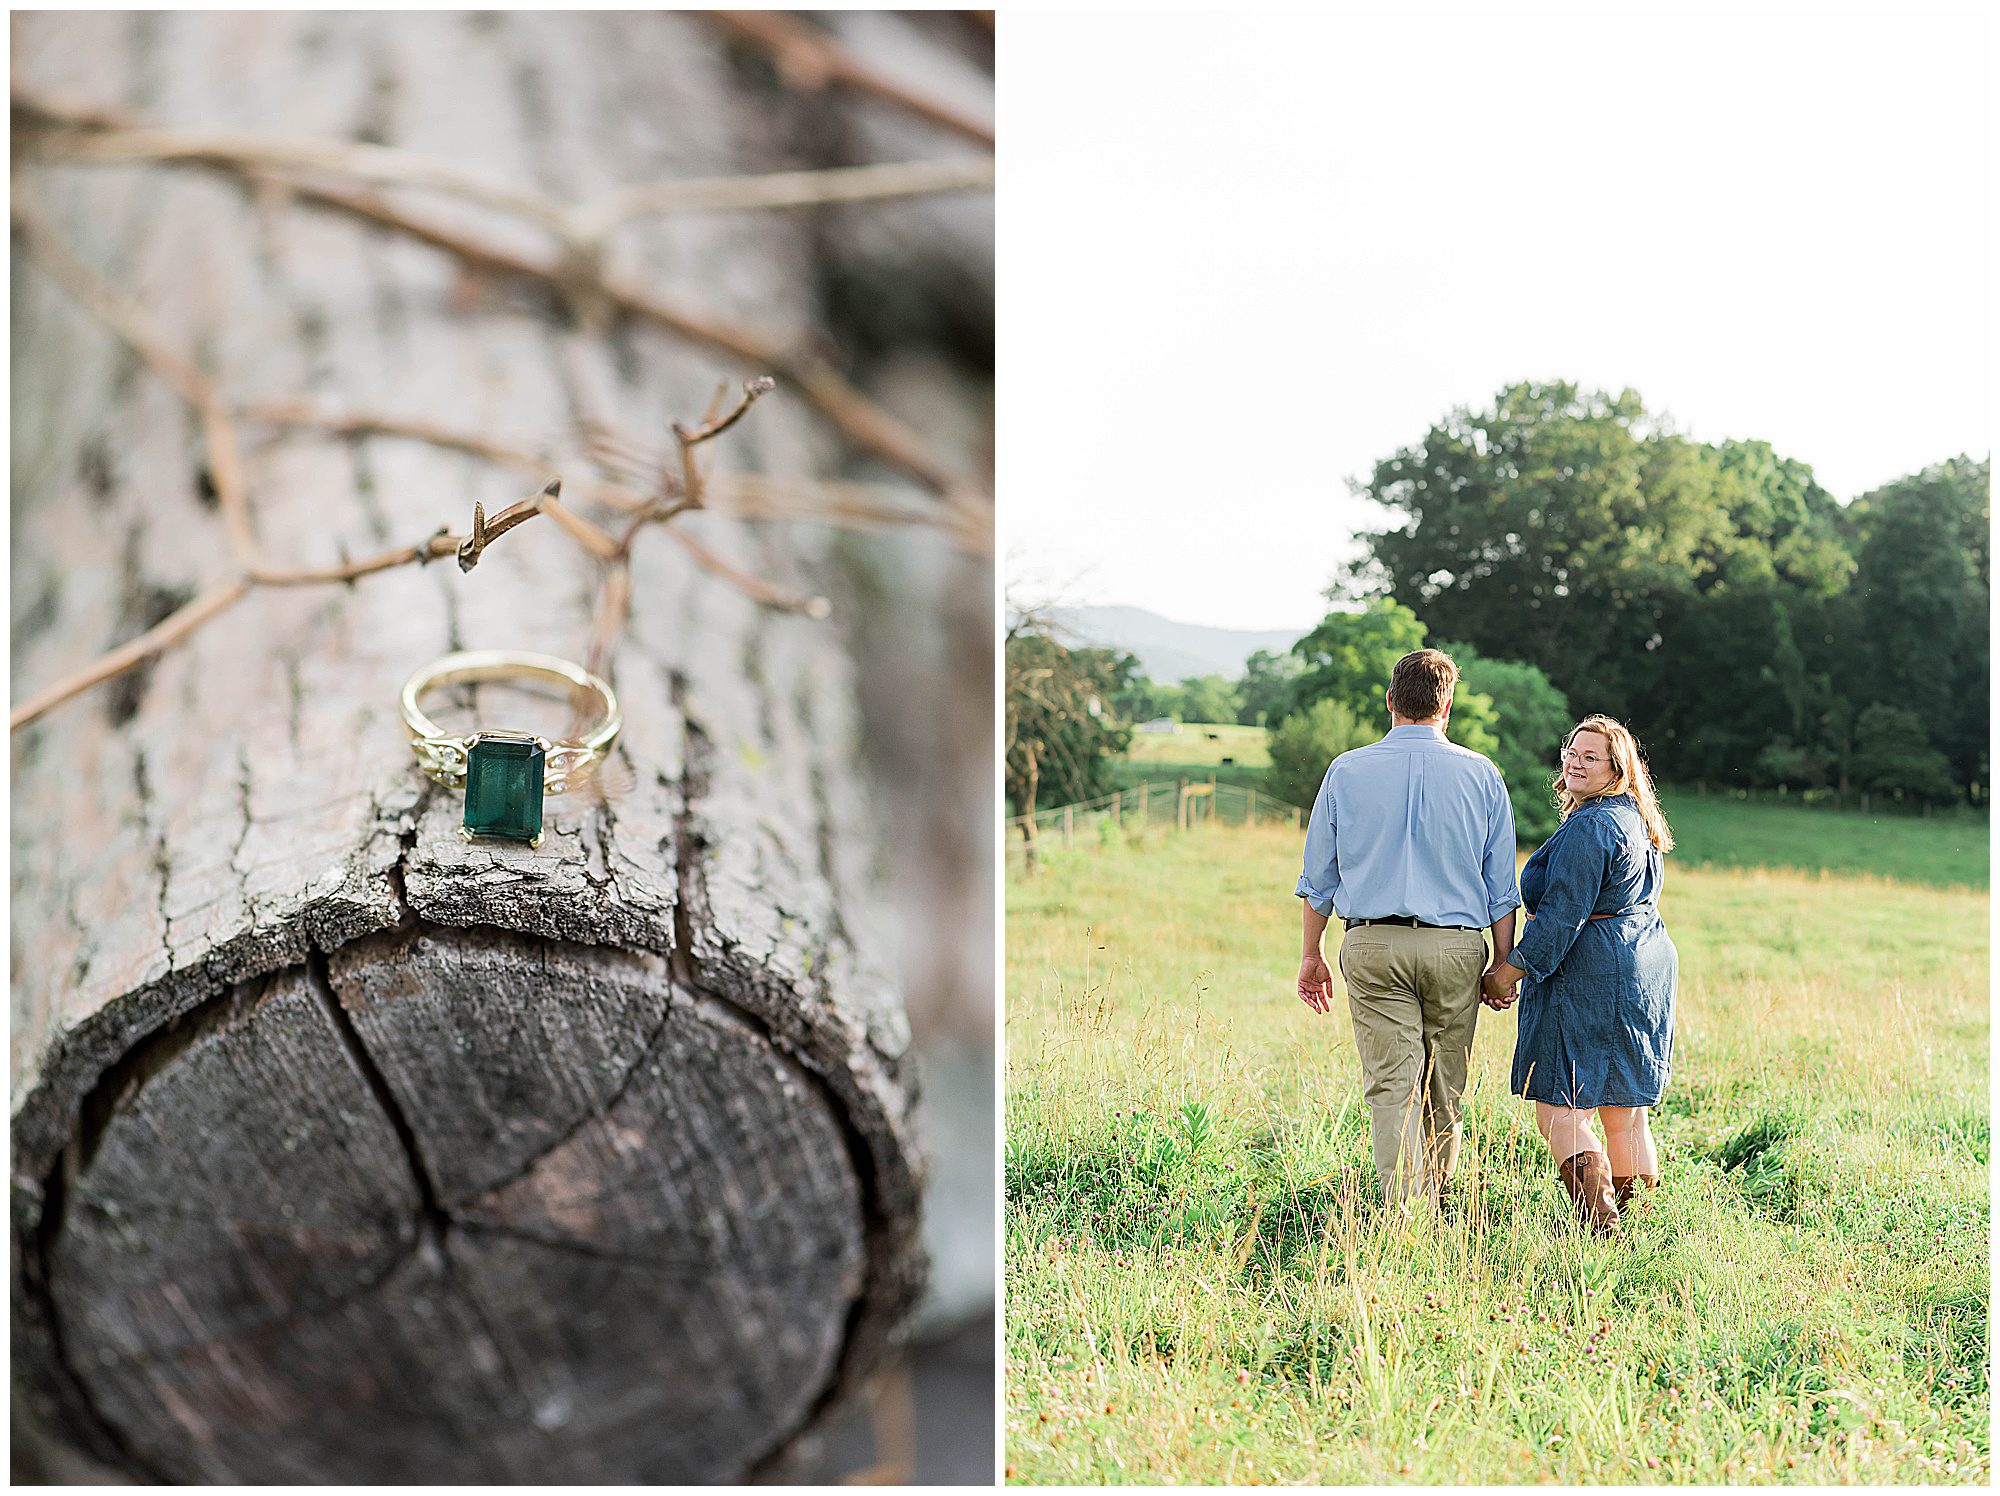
[{"x": 1169, "y": 804}]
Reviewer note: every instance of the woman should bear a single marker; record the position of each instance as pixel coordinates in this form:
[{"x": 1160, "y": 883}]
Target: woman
[{"x": 1597, "y": 1022}]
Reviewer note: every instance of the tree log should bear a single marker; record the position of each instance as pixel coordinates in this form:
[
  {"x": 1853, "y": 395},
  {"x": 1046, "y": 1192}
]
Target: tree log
[{"x": 345, "y": 1150}]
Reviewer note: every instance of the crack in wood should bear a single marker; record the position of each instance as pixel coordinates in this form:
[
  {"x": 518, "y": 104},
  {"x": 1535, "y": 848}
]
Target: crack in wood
[
  {"x": 697, "y": 757},
  {"x": 162, "y": 864},
  {"x": 116, "y": 1085},
  {"x": 683, "y": 845},
  {"x": 96, "y": 1434},
  {"x": 431, "y": 1215},
  {"x": 242, "y": 874},
  {"x": 648, "y": 1052}
]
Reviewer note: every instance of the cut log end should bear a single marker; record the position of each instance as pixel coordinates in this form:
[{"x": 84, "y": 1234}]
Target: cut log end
[{"x": 458, "y": 1206}]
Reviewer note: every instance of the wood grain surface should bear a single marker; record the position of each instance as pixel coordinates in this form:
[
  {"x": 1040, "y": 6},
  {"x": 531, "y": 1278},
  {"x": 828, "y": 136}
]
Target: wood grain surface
[{"x": 343, "y": 1149}]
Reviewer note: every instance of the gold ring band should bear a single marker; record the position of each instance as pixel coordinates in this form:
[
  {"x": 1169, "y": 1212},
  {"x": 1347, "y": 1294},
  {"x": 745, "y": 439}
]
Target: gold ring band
[{"x": 505, "y": 772}]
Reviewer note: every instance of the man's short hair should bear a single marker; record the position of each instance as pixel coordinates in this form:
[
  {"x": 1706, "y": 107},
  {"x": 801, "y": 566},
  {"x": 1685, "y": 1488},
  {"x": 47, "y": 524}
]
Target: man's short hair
[{"x": 1420, "y": 686}]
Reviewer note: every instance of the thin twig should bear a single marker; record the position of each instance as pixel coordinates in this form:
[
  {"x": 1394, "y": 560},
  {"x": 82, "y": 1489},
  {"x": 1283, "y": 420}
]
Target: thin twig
[
  {"x": 383, "y": 165},
  {"x": 857, "y": 417},
  {"x": 304, "y": 415},
  {"x": 443, "y": 543},
  {"x": 549, "y": 502},
  {"x": 809, "y": 59},
  {"x": 963, "y": 515},
  {"x": 125, "y": 318},
  {"x": 578, "y": 273},
  {"x": 185, "y": 620},
  {"x": 176, "y": 626},
  {"x": 712, "y": 427},
  {"x": 796, "y": 189},
  {"x": 614, "y": 602},
  {"x": 756, "y": 588},
  {"x": 55, "y": 136}
]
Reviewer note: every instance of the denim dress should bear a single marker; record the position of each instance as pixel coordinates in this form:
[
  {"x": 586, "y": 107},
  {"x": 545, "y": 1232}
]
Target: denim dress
[{"x": 1597, "y": 1007}]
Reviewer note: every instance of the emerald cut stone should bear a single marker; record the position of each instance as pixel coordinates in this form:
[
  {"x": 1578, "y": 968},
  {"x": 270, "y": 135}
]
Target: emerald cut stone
[{"x": 503, "y": 786}]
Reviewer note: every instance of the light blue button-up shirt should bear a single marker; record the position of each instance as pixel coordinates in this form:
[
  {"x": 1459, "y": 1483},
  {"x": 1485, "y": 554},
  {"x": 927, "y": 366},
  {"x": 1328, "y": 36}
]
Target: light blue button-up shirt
[{"x": 1413, "y": 825}]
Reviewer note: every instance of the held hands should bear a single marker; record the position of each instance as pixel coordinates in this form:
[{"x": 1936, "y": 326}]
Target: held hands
[
  {"x": 1496, "y": 991},
  {"x": 1316, "y": 984}
]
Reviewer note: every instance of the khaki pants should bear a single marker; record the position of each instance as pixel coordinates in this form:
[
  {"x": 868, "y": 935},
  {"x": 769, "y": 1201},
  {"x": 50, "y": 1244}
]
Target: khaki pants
[{"x": 1414, "y": 998}]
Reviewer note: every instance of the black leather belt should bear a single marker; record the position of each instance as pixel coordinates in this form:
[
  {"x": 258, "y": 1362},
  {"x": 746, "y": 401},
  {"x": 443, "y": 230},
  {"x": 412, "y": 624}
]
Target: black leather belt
[{"x": 1408, "y": 921}]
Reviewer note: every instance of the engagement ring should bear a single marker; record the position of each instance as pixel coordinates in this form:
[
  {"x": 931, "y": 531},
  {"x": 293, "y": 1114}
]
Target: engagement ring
[{"x": 504, "y": 772}]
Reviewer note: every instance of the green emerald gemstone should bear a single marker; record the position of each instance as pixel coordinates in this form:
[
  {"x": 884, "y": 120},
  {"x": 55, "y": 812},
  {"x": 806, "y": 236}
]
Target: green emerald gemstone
[{"x": 503, "y": 786}]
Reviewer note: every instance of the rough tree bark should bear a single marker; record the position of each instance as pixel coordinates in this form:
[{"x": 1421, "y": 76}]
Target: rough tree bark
[{"x": 344, "y": 1150}]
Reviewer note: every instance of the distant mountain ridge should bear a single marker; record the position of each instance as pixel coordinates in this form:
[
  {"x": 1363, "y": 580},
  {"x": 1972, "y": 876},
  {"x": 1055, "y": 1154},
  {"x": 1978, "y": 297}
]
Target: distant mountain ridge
[{"x": 1168, "y": 650}]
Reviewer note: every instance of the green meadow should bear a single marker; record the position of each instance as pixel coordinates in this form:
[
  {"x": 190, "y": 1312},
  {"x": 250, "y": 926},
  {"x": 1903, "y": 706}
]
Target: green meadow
[
  {"x": 1202, "y": 745},
  {"x": 1719, "y": 831},
  {"x": 1223, "y": 751},
  {"x": 1201, "y": 1287}
]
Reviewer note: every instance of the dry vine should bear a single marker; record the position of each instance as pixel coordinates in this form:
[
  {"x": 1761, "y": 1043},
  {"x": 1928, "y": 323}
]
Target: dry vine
[
  {"x": 345, "y": 177},
  {"x": 124, "y": 317},
  {"x": 962, "y": 517},
  {"x": 56, "y": 131},
  {"x": 809, "y": 60}
]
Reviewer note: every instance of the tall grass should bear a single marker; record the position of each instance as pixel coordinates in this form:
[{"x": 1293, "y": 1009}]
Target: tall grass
[{"x": 1201, "y": 1287}]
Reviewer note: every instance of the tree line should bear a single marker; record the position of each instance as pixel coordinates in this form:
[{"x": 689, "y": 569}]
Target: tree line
[{"x": 1575, "y": 553}]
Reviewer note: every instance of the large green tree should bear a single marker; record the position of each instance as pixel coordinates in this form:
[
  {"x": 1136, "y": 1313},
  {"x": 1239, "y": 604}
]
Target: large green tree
[
  {"x": 1198, "y": 698},
  {"x": 1208, "y": 698},
  {"x": 1530, "y": 720},
  {"x": 1647, "y": 575},
  {"x": 1348, "y": 657},
  {"x": 1920, "y": 620},
  {"x": 1303, "y": 744},
  {"x": 1344, "y": 669},
  {"x": 1266, "y": 687},
  {"x": 1893, "y": 756},
  {"x": 1061, "y": 727},
  {"x": 1141, "y": 700}
]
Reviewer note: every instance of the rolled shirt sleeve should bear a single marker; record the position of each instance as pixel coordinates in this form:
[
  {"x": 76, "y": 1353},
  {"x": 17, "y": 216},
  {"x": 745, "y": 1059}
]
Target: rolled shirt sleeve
[
  {"x": 1502, "y": 892},
  {"x": 1319, "y": 880},
  {"x": 1577, "y": 860}
]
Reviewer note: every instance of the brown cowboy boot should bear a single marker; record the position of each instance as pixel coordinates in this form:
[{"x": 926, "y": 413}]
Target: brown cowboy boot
[
  {"x": 1625, "y": 1186},
  {"x": 1587, "y": 1177}
]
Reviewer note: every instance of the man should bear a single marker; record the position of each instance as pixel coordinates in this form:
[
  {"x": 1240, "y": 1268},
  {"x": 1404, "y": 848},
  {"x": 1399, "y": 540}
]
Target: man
[{"x": 1412, "y": 844}]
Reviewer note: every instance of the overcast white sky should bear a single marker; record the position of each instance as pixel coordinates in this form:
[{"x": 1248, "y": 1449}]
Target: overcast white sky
[{"x": 1244, "y": 256}]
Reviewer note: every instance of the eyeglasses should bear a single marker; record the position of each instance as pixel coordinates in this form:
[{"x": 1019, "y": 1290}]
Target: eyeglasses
[{"x": 1588, "y": 760}]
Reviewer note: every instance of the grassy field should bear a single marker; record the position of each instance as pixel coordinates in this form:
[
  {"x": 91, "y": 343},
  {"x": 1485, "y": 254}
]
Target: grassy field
[
  {"x": 1202, "y": 745},
  {"x": 1196, "y": 752},
  {"x": 1199, "y": 1289},
  {"x": 1721, "y": 832}
]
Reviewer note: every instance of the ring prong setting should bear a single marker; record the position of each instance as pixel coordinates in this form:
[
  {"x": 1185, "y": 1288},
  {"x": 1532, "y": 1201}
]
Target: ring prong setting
[{"x": 504, "y": 775}]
